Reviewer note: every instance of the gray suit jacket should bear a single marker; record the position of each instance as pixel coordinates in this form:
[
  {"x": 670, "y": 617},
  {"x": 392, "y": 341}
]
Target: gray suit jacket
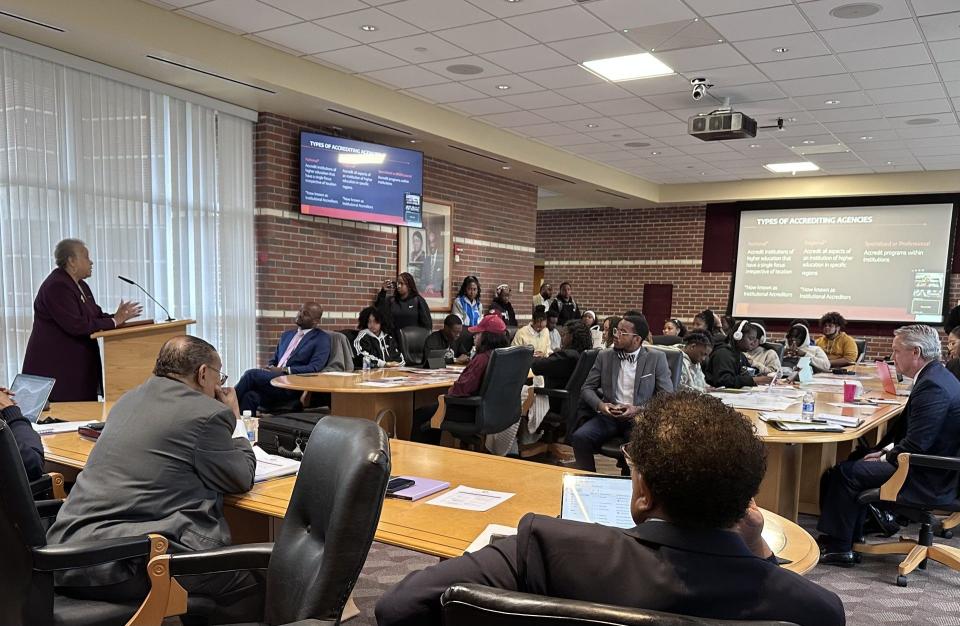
[
  {"x": 653, "y": 376},
  {"x": 162, "y": 464}
]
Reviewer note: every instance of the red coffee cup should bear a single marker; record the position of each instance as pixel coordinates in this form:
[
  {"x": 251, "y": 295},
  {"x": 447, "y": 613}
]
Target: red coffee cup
[{"x": 849, "y": 391}]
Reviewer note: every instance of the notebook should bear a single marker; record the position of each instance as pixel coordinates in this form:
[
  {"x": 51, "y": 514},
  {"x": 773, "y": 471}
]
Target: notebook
[
  {"x": 597, "y": 500},
  {"x": 31, "y": 394},
  {"x": 421, "y": 488}
]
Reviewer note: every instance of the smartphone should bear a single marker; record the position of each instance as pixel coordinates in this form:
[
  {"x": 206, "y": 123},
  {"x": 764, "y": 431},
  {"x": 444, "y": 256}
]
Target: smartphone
[{"x": 399, "y": 484}]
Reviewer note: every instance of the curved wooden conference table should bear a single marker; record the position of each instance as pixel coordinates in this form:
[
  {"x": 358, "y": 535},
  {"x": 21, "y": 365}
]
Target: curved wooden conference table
[{"x": 418, "y": 526}]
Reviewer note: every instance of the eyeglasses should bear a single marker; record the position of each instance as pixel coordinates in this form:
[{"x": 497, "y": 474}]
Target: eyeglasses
[
  {"x": 223, "y": 377},
  {"x": 626, "y": 457},
  {"x": 617, "y": 332}
]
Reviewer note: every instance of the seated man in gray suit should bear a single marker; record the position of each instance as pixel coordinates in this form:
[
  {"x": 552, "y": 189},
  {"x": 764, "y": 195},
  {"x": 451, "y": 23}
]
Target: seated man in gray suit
[
  {"x": 621, "y": 382},
  {"x": 165, "y": 459}
]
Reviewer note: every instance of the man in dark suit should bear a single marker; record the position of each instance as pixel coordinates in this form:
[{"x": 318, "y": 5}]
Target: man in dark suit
[
  {"x": 697, "y": 548},
  {"x": 165, "y": 459},
  {"x": 300, "y": 351},
  {"x": 621, "y": 382},
  {"x": 64, "y": 316},
  {"x": 929, "y": 424}
]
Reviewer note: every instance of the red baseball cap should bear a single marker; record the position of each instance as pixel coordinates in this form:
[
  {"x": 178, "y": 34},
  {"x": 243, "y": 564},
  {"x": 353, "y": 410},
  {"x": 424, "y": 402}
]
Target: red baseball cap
[{"x": 491, "y": 323}]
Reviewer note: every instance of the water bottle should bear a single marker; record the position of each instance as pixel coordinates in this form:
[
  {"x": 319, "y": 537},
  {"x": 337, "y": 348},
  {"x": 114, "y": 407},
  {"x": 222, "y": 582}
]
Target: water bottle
[
  {"x": 808, "y": 406},
  {"x": 249, "y": 424},
  {"x": 366, "y": 365}
]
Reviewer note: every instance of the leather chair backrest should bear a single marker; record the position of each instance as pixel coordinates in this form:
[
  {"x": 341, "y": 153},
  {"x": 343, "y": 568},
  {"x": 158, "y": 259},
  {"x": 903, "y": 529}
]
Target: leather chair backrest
[
  {"x": 500, "y": 391},
  {"x": 20, "y": 530},
  {"x": 861, "y": 349},
  {"x": 569, "y": 410},
  {"x": 411, "y": 340},
  {"x": 776, "y": 346},
  {"x": 330, "y": 522},
  {"x": 675, "y": 363},
  {"x": 476, "y": 605},
  {"x": 341, "y": 353},
  {"x": 666, "y": 340}
]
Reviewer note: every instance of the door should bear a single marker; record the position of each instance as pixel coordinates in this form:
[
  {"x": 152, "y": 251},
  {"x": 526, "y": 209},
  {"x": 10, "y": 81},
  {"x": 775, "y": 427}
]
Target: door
[{"x": 657, "y": 304}]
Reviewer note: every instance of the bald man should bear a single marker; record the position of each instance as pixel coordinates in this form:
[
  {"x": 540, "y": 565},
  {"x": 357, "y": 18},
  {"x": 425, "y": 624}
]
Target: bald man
[{"x": 302, "y": 351}]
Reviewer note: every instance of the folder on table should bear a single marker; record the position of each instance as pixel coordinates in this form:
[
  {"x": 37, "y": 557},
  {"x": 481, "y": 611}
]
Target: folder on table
[{"x": 421, "y": 488}]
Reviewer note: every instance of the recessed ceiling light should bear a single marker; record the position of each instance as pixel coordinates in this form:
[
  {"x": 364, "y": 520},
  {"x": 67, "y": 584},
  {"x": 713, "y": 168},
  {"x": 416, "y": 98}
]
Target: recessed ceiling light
[
  {"x": 703, "y": 173},
  {"x": 504, "y": 87},
  {"x": 866, "y": 138},
  {"x": 719, "y": 40},
  {"x": 592, "y": 125},
  {"x": 368, "y": 28},
  {"x": 922, "y": 121},
  {"x": 414, "y": 141},
  {"x": 831, "y": 102},
  {"x": 629, "y": 67},
  {"x": 504, "y": 167},
  {"x": 889, "y": 162},
  {"x": 791, "y": 119},
  {"x": 513, "y": 1},
  {"x": 855, "y": 11},
  {"x": 626, "y": 30},
  {"x": 654, "y": 153},
  {"x": 781, "y": 50},
  {"x": 807, "y": 142},
  {"x": 754, "y": 145},
  {"x": 464, "y": 69},
  {"x": 788, "y": 168}
]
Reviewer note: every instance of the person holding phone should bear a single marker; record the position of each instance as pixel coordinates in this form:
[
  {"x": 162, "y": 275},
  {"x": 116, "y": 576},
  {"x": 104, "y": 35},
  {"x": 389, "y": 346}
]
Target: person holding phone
[{"x": 401, "y": 301}]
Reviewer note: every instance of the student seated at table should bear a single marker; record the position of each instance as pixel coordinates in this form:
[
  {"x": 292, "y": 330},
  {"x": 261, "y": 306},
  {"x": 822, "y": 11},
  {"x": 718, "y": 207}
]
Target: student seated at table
[
  {"x": 764, "y": 360},
  {"x": 840, "y": 347},
  {"x": 697, "y": 346},
  {"x": 696, "y": 549},
  {"x": 488, "y": 335},
  {"x": 799, "y": 345},
  {"x": 28, "y": 441},
  {"x": 374, "y": 341},
  {"x": 535, "y": 334},
  {"x": 674, "y": 328},
  {"x": 728, "y": 366},
  {"x": 447, "y": 338}
]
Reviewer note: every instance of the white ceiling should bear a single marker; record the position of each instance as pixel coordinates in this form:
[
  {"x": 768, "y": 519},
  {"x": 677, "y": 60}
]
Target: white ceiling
[{"x": 892, "y": 78}]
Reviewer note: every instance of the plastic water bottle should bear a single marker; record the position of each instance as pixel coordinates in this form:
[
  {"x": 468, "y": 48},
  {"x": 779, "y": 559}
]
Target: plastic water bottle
[
  {"x": 809, "y": 407},
  {"x": 250, "y": 425},
  {"x": 366, "y": 365}
]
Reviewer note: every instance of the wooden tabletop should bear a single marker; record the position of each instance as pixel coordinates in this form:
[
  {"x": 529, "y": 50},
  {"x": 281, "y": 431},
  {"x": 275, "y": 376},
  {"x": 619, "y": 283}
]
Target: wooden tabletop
[{"x": 337, "y": 383}]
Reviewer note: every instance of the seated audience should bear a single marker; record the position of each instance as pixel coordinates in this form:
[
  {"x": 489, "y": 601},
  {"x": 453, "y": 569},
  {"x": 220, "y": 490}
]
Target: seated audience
[
  {"x": 621, "y": 382},
  {"x": 840, "y": 347},
  {"x": 535, "y": 334},
  {"x": 806, "y": 325},
  {"x": 706, "y": 320},
  {"x": 488, "y": 335},
  {"x": 639, "y": 313},
  {"x": 403, "y": 304},
  {"x": 300, "y": 351},
  {"x": 589, "y": 319},
  {"x": 728, "y": 365},
  {"x": 374, "y": 342},
  {"x": 696, "y": 549},
  {"x": 552, "y": 320},
  {"x": 609, "y": 325},
  {"x": 764, "y": 360},
  {"x": 953, "y": 351},
  {"x": 566, "y": 307},
  {"x": 165, "y": 459},
  {"x": 727, "y": 323},
  {"x": 929, "y": 424},
  {"x": 544, "y": 297},
  {"x": 557, "y": 368},
  {"x": 501, "y": 305},
  {"x": 953, "y": 320},
  {"x": 799, "y": 345},
  {"x": 674, "y": 328},
  {"x": 697, "y": 346},
  {"x": 447, "y": 339},
  {"x": 466, "y": 305},
  {"x": 28, "y": 441}
]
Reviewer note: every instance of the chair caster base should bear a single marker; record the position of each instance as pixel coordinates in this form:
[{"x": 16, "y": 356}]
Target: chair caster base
[{"x": 901, "y": 581}]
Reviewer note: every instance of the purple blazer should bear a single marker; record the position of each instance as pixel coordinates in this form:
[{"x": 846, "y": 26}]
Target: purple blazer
[{"x": 64, "y": 316}]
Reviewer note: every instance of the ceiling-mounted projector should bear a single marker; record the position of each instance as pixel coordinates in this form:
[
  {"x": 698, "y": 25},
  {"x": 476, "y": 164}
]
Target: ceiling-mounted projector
[{"x": 721, "y": 125}]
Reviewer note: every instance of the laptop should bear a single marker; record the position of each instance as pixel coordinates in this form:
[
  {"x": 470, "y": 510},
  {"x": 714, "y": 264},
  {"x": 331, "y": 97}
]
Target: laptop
[
  {"x": 597, "y": 500},
  {"x": 886, "y": 378},
  {"x": 31, "y": 394},
  {"x": 435, "y": 359}
]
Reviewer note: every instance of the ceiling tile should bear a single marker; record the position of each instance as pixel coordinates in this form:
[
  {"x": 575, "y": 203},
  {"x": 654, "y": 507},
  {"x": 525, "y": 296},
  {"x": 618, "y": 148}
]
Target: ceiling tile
[
  {"x": 847, "y": 99},
  {"x": 923, "y": 107},
  {"x": 486, "y": 37},
  {"x": 941, "y": 27},
  {"x": 567, "y": 113},
  {"x": 639, "y": 120},
  {"x": 622, "y": 14},
  {"x": 903, "y": 122},
  {"x": 557, "y": 24},
  {"x": 405, "y": 77},
  {"x": 420, "y": 48},
  {"x": 929, "y": 7},
  {"x": 950, "y": 71},
  {"x": 596, "y": 47},
  {"x": 798, "y": 46},
  {"x": 621, "y": 136},
  {"x": 856, "y": 141},
  {"x": 858, "y": 125},
  {"x": 907, "y": 94},
  {"x": 598, "y": 148},
  {"x": 675, "y": 101},
  {"x": 430, "y": 15},
  {"x": 917, "y": 132},
  {"x": 819, "y": 13},
  {"x": 820, "y": 85},
  {"x": 542, "y": 130},
  {"x": 536, "y": 57},
  {"x": 312, "y": 10},
  {"x": 704, "y": 57},
  {"x": 517, "y": 118},
  {"x": 953, "y": 88},
  {"x": 673, "y": 35},
  {"x": 666, "y": 130},
  {"x": 897, "y": 77},
  {"x": 491, "y": 85},
  {"x": 570, "y": 139},
  {"x": 509, "y": 9},
  {"x": 447, "y": 92},
  {"x": 881, "y": 58},
  {"x": 305, "y": 38},
  {"x": 660, "y": 84},
  {"x": 599, "y": 127},
  {"x": 869, "y": 36},
  {"x": 723, "y": 77},
  {"x": 484, "y": 106},
  {"x": 945, "y": 51},
  {"x": 243, "y": 16},
  {"x": 848, "y": 114},
  {"x": 718, "y": 7},
  {"x": 752, "y": 95},
  {"x": 359, "y": 59},
  {"x": 537, "y": 100},
  {"x": 781, "y": 20},
  {"x": 594, "y": 93},
  {"x": 802, "y": 68},
  {"x": 558, "y": 77},
  {"x": 486, "y": 68},
  {"x": 624, "y": 106},
  {"x": 388, "y": 27}
]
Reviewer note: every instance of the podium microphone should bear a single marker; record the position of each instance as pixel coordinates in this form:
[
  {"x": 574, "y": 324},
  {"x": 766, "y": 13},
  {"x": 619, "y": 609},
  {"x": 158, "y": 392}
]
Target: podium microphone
[{"x": 128, "y": 281}]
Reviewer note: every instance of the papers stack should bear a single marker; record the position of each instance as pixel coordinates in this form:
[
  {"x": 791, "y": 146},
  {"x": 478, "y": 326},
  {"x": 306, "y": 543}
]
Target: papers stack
[
  {"x": 758, "y": 400},
  {"x": 823, "y": 422},
  {"x": 57, "y": 427},
  {"x": 273, "y": 466}
]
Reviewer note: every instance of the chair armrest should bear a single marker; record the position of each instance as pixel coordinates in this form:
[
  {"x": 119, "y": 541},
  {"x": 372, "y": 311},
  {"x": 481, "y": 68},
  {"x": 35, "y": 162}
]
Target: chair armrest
[
  {"x": 949, "y": 463},
  {"x": 463, "y": 400},
  {"x": 48, "y": 508},
  {"x": 551, "y": 393},
  {"x": 41, "y": 485},
  {"x": 80, "y": 554},
  {"x": 226, "y": 559},
  {"x": 891, "y": 489}
]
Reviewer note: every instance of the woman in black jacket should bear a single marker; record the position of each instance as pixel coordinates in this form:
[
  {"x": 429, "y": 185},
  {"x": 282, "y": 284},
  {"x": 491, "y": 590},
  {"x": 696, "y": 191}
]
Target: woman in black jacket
[
  {"x": 374, "y": 341},
  {"x": 502, "y": 307},
  {"x": 405, "y": 306},
  {"x": 557, "y": 368}
]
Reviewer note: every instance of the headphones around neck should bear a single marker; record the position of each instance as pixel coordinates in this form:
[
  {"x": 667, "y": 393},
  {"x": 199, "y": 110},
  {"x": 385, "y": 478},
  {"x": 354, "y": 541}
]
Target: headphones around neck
[{"x": 738, "y": 333}]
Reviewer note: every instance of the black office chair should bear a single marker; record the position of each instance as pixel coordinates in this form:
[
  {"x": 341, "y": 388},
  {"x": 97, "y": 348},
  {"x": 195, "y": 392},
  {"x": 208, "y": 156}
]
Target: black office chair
[
  {"x": 497, "y": 405},
  {"x": 326, "y": 533},
  {"x": 27, "y": 594},
  {"x": 48, "y": 487},
  {"x": 776, "y": 346},
  {"x": 666, "y": 340},
  {"x": 569, "y": 397},
  {"x": 885, "y": 497},
  {"x": 511, "y": 333},
  {"x": 411, "y": 341},
  {"x": 478, "y": 605},
  {"x": 861, "y": 349}
]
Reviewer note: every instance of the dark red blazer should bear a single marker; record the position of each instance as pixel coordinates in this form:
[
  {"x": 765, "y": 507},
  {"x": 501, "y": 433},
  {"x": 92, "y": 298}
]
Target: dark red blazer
[{"x": 64, "y": 316}]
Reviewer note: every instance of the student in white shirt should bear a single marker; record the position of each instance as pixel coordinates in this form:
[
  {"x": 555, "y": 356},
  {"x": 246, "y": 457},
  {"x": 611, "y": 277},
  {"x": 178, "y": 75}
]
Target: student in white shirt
[{"x": 535, "y": 334}]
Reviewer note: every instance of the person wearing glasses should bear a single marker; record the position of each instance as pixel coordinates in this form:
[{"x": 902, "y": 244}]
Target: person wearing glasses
[
  {"x": 621, "y": 381},
  {"x": 169, "y": 452},
  {"x": 302, "y": 351}
]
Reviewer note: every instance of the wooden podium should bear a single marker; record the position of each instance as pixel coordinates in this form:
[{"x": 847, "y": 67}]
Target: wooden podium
[{"x": 129, "y": 354}]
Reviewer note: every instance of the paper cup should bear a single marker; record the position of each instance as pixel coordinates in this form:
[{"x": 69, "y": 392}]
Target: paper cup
[{"x": 849, "y": 391}]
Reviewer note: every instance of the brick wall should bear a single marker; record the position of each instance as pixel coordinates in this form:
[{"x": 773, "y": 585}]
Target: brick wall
[
  {"x": 341, "y": 263},
  {"x": 608, "y": 254}
]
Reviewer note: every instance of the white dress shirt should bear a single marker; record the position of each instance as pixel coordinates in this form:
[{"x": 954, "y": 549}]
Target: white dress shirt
[{"x": 626, "y": 379}]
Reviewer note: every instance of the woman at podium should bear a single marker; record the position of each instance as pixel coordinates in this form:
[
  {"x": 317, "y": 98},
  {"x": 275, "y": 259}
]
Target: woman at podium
[{"x": 65, "y": 314}]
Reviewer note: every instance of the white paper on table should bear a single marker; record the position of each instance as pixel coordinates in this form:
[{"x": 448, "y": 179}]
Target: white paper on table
[
  {"x": 378, "y": 383},
  {"x": 470, "y": 498},
  {"x": 830, "y": 418},
  {"x": 758, "y": 401},
  {"x": 851, "y": 405},
  {"x": 339, "y": 373},
  {"x": 273, "y": 466},
  {"x": 57, "y": 427},
  {"x": 483, "y": 539}
]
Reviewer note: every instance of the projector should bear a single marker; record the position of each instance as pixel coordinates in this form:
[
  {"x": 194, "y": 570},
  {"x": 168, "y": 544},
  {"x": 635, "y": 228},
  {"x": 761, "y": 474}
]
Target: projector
[{"x": 722, "y": 125}]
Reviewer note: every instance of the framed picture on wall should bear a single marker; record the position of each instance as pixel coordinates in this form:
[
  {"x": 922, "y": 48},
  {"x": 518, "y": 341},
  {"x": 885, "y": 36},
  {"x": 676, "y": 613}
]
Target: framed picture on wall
[{"x": 427, "y": 252}]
